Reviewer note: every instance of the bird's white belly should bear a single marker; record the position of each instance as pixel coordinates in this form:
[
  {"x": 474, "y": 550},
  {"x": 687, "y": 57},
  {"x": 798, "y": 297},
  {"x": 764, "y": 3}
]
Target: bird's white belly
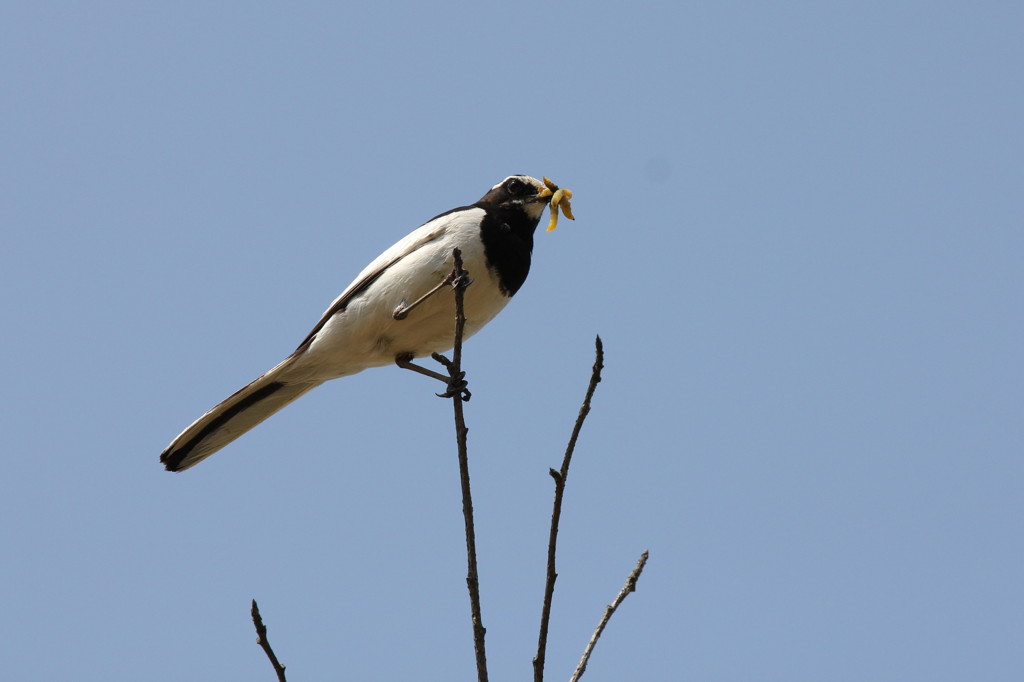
[{"x": 366, "y": 334}]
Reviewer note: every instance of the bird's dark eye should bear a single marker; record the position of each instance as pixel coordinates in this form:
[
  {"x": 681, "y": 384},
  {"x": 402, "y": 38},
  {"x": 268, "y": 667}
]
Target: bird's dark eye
[{"x": 516, "y": 186}]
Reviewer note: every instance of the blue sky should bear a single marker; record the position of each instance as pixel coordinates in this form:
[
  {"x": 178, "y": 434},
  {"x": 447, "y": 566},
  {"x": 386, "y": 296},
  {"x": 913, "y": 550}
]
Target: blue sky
[{"x": 799, "y": 233}]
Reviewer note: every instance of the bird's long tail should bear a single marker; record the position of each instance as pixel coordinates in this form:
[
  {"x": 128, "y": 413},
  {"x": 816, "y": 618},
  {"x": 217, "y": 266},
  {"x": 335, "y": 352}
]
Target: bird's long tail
[{"x": 231, "y": 418}]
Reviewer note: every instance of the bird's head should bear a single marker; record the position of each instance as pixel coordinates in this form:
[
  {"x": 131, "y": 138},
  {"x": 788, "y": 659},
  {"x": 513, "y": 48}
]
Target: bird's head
[{"x": 529, "y": 195}]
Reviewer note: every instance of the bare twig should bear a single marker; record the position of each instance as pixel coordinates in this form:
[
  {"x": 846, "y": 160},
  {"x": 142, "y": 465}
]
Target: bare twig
[
  {"x": 261, "y": 639},
  {"x": 460, "y": 280},
  {"x": 560, "y": 478},
  {"x": 630, "y": 586}
]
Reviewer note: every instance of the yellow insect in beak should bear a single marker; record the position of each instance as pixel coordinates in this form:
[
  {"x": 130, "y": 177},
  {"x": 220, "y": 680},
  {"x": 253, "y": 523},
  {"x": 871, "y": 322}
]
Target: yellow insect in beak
[{"x": 559, "y": 200}]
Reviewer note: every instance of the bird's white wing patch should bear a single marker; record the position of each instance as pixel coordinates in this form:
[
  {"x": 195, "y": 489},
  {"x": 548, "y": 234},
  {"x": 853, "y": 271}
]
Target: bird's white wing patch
[
  {"x": 428, "y": 232},
  {"x": 416, "y": 239}
]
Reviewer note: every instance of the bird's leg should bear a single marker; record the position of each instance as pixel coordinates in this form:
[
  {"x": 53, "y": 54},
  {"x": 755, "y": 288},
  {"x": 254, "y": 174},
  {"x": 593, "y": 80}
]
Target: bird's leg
[
  {"x": 402, "y": 311},
  {"x": 456, "y": 384},
  {"x": 405, "y": 362},
  {"x": 456, "y": 381}
]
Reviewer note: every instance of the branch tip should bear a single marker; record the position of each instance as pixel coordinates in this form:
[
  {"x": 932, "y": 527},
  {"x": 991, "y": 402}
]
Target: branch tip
[
  {"x": 630, "y": 586},
  {"x": 560, "y": 477},
  {"x": 261, "y": 639}
]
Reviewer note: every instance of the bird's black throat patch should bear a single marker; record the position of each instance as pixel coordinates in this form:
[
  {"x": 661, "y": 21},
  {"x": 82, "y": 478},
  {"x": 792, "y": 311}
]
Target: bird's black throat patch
[{"x": 507, "y": 234}]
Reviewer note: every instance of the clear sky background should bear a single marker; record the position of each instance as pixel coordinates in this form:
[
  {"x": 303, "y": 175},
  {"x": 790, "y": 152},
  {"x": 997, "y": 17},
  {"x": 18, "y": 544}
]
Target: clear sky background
[{"x": 800, "y": 230}]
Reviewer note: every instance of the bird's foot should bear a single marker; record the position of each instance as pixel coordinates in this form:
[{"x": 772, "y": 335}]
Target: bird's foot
[{"x": 457, "y": 384}]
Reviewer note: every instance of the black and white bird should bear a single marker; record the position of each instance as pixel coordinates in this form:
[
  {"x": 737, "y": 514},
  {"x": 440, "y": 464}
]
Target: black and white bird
[{"x": 360, "y": 329}]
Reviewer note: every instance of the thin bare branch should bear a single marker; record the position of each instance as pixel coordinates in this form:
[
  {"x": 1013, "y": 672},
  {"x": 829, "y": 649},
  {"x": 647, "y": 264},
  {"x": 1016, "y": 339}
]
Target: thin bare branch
[
  {"x": 560, "y": 477},
  {"x": 630, "y": 586},
  {"x": 261, "y": 639},
  {"x": 457, "y": 391}
]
